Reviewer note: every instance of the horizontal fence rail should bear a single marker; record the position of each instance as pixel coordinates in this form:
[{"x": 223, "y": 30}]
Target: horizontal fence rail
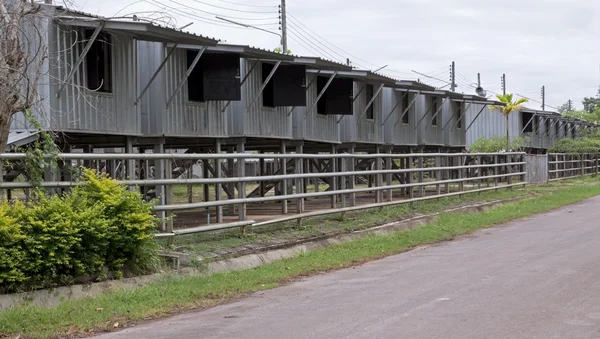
[
  {"x": 567, "y": 166},
  {"x": 210, "y": 192}
]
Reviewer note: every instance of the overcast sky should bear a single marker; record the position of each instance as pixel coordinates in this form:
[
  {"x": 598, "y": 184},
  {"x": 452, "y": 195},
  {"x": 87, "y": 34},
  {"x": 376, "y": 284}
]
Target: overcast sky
[{"x": 535, "y": 42}]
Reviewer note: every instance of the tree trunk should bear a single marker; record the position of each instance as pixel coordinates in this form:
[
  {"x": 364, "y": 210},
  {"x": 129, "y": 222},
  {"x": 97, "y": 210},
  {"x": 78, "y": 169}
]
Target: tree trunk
[
  {"x": 4, "y": 127},
  {"x": 507, "y": 135}
]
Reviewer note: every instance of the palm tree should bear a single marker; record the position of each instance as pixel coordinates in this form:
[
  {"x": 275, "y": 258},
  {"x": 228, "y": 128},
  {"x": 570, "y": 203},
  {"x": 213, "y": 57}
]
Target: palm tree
[{"x": 506, "y": 109}]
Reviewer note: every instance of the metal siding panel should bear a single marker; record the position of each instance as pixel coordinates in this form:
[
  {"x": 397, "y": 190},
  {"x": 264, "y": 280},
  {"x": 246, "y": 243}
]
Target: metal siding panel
[
  {"x": 313, "y": 126},
  {"x": 189, "y": 119},
  {"x": 363, "y": 130},
  {"x": 262, "y": 121},
  {"x": 401, "y": 134},
  {"x": 79, "y": 109}
]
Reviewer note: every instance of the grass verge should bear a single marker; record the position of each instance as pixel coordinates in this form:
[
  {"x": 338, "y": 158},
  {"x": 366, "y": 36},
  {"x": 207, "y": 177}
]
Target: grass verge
[{"x": 174, "y": 294}]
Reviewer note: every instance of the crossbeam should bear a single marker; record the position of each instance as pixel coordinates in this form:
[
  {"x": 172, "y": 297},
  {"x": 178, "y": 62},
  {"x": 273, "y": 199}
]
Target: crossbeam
[
  {"x": 321, "y": 94},
  {"x": 477, "y": 116},
  {"x": 408, "y": 108},
  {"x": 80, "y": 59},
  {"x": 242, "y": 82},
  {"x": 307, "y": 88},
  {"x": 187, "y": 74},
  {"x": 459, "y": 119},
  {"x": 379, "y": 89},
  {"x": 264, "y": 84},
  {"x": 398, "y": 102},
  {"x": 437, "y": 112},
  {"x": 529, "y": 122},
  {"x": 162, "y": 65}
]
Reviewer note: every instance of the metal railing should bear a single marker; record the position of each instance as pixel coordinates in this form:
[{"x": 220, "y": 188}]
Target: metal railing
[
  {"x": 566, "y": 166},
  {"x": 352, "y": 182}
]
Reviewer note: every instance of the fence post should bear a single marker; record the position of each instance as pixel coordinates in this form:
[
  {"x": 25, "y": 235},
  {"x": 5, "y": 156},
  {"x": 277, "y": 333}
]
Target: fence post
[
  {"x": 509, "y": 169},
  {"x": 218, "y": 188},
  {"x": 496, "y": 170},
  {"x": 378, "y": 177},
  {"x": 343, "y": 181},
  {"x": 461, "y": 184},
  {"x": 299, "y": 181},
  {"x": 438, "y": 175},
  {"x": 582, "y": 164},
  {"x": 420, "y": 165},
  {"x": 333, "y": 180},
  {"x": 388, "y": 177},
  {"x": 284, "y": 183},
  {"x": 352, "y": 179},
  {"x": 240, "y": 148},
  {"x": 411, "y": 192}
]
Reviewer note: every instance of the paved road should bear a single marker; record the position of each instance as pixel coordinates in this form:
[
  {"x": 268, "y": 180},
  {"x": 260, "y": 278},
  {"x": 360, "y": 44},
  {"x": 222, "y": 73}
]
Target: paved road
[{"x": 535, "y": 278}]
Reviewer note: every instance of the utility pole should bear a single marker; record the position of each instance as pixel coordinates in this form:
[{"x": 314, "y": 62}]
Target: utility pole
[
  {"x": 503, "y": 83},
  {"x": 543, "y": 98},
  {"x": 283, "y": 27},
  {"x": 452, "y": 77}
]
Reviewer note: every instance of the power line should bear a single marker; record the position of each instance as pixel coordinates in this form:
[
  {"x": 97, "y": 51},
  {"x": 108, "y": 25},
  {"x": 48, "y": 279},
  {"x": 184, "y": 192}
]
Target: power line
[
  {"x": 235, "y": 10},
  {"x": 190, "y": 16},
  {"x": 353, "y": 56},
  {"x": 303, "y": 43},
  {"x": 223, "y": 15},
  {"x": 295, "y": 28},
  {"x": 240, "y": 4}
]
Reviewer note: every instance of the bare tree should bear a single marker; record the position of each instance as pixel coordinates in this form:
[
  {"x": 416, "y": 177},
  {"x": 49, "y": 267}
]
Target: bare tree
[{"x": 20, "y": 65}]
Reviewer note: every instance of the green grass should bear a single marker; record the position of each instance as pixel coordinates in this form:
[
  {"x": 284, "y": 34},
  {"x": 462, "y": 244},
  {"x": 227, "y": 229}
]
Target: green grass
[{"x": 175, "y": 293}]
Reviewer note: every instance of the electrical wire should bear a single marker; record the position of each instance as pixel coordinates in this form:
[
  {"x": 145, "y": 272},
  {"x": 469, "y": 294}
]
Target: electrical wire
[
  {"x": 188, "y": 15},
  {"x": 336, "y": 56},
  {"x": 223, "y": 15},
  {"x": 240, "y": 4},
  {"x": 299, "y": 41},
  {"x": 234, "y": 10},
  {"x": 340, "y": 49}
]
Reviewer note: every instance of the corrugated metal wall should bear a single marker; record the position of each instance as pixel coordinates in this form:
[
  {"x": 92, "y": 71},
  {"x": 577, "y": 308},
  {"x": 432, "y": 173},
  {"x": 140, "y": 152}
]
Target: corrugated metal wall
[
  {"x": 489, "y": 124},
  {"x": 316, "y": 127},
  {"x": 152, "y": 104},
  {"x": 356, "y": 129},
  {"x": 401, "y": 134},
  {"x": 183, "y": 117},
  {"x": 257, "y": 121},
  {"x": 429, "y": 135},
  {"x": 453, "y": 135},
  {"x": 31, "y": 28},
  {"x": 81, "y": 110}
]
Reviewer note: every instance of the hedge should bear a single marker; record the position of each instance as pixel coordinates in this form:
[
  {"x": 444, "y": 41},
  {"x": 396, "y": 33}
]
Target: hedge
[
  {"x": 497, "y": 144},
  {"x": 97, "y": 228}
]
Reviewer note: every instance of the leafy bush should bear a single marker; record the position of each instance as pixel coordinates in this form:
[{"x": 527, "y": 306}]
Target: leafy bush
[
  {"x": 576, "y": 146},
  {"x": 96, "y": 228},
  {"x": 497, "y": 144}
]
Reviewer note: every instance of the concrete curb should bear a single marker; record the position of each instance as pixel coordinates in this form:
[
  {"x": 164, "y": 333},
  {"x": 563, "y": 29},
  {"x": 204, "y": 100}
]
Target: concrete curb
[{"x": 52, "y": 297}]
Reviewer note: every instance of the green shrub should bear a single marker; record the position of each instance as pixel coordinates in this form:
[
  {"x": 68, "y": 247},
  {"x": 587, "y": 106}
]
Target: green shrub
[
  {"x": 576, "y": 146},
  {"x": 498, "y": 144},
  {"x": 98, "y": 227}
]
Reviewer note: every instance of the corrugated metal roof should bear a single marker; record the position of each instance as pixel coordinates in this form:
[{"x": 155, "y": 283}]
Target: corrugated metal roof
[{"x": 140, "y": 29}]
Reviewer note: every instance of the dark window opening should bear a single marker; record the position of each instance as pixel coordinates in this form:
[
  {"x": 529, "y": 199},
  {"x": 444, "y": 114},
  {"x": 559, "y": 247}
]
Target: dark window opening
[
  {"x": 459, "y": 116},
  {"x": 434, "y": 108},
  {"x": 98, "y": 63},
  {"x": 526, "y": 122},
  {"x": 322, "y": 104},
  {"x": 195, "y": 81},
  {"x": 268, "y": 93},
  {"x": 370, "y": 110},
  {"x": 536, "y": 125},
  {"x": 547, "y": 127},
  {"x": 405, "y": 104}
]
